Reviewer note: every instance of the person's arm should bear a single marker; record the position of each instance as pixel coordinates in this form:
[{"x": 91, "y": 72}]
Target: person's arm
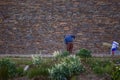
[
  {"x": 73, "y": 36},
  {"x": 65, "y": 41}
]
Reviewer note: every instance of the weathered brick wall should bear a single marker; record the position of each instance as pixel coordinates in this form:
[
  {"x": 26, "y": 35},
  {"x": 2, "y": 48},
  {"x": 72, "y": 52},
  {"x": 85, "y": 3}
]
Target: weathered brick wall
[{"x": 30, "y": 26}]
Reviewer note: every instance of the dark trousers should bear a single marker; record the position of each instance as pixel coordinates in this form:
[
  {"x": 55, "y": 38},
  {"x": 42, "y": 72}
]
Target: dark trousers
[{"x": 69, "y": 47}]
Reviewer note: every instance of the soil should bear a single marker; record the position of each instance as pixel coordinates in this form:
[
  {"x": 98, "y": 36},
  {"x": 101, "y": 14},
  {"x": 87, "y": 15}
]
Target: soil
[
  {"x": 92, "y": 76},
  {"x": 36, "y": 78},
  {"x": 81, "y": 77}
]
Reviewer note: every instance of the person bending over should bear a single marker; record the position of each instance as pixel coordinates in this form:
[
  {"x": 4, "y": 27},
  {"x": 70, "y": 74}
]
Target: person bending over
[{"x": 68, "y": 39}]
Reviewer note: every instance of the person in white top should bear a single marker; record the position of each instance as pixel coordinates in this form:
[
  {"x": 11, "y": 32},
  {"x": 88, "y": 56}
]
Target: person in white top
[{"x": 115, "y": 46}]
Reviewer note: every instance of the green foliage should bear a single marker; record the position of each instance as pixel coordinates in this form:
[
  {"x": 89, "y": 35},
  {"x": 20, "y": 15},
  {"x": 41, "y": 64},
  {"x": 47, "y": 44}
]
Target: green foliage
[
  {"x": 73, "y": 78},
  {"x": 116, "y": 73},
  {"x": 65, "y": 54},
  {"x": 37, "y": 60},
  {"x": 68, "y": 67},
  {"x": 84, "y": 53},
  {"x": 58, "y": 54},
  {"x": 34, "y": 72},
  {"x": 116, "y": 61},
  {"x": 101, "y": 67},
  {"x": 22, "y": 61},
  {"x": 20, "y": 71},
  {"x": 4, "y": 73},
  {"x": 74, "y": 64},
  {"x": 39, "y": 70},
  {"x": 7, "y": 68}
]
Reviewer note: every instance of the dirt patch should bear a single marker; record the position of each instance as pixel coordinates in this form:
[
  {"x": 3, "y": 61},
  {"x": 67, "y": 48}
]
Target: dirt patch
[
  {"x": 90, "y": 76},
  {"x": 36, "y": 78}
]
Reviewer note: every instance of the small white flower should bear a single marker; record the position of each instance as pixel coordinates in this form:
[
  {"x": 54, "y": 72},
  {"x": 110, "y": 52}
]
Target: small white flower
[
  {"x": 56, "y": 53},
  {"x": 36, "y": 59},
  {"x": 26, "y": 67},
  {"x": 117, "y": 67}
]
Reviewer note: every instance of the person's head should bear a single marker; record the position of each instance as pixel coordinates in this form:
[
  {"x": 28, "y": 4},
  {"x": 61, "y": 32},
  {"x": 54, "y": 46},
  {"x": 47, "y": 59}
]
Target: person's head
[
  {"x": 70, "y": 33},
  {"x": 116, "y": 43}
]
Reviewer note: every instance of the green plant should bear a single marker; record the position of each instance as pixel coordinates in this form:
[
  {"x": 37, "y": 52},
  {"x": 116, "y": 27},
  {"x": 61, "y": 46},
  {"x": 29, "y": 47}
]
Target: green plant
[
  {"x": 74, "y": 64},
  {"x": 37, "y": 60},
  {"x": 7, "y": 68},
  {"x": 116, "y": 73},
  {"x": 101, "y": 67},
  {"x": 4, "y": 73},
  {"x": 84, "y": 53},
  {"x": 59, "y": 54},
  {"x": 37, "y": 71},
  {"x": 67, "y": 68},
  {"x": 65, "y": 54},
  {"x": 34, "y": 72},
  {"x": 20, "y": 71},
  {"x": 73, "y": 78},
  {"x": 116, "y": 61}
]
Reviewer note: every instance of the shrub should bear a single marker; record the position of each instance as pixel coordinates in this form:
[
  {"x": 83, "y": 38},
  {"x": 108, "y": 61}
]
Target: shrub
[
  {"x": 38, "y": 71},
  {"x": 7, "y": 68},
  {"x": 116, "y": 61},
  {"x": 59, "y": 54},
  {"x": 84, "y": 53},
  {"x": 74, "y": 64},
  {"x": 65, "y": 54},
  {"x": 20, "y": 71},
  {"x": 34, "y": 72},
  {"x": 37, "y": 60},
  {"x": 101, "y": 67},
  {"x": 4, "y": 73},
  {"x": 68, "y": 67},
  {"x": 116, "y": 73}
]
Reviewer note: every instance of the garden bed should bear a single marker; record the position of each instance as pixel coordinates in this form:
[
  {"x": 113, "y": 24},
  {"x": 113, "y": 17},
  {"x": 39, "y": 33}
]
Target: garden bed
[
  {"x": 59, "y": 67},
  {"x": 89, "y": 74}
]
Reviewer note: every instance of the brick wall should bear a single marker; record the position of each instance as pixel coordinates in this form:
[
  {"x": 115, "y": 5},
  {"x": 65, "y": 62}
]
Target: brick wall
[{"x": 31, "y": 26}]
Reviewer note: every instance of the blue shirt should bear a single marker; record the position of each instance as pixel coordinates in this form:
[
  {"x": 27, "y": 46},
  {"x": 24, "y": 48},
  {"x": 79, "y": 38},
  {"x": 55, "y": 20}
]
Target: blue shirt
[{"x": 69, "y": 38}]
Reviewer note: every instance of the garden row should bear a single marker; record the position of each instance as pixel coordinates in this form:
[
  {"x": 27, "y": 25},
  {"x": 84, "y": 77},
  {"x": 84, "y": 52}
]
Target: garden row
[{"x": 61, "y": 67}]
